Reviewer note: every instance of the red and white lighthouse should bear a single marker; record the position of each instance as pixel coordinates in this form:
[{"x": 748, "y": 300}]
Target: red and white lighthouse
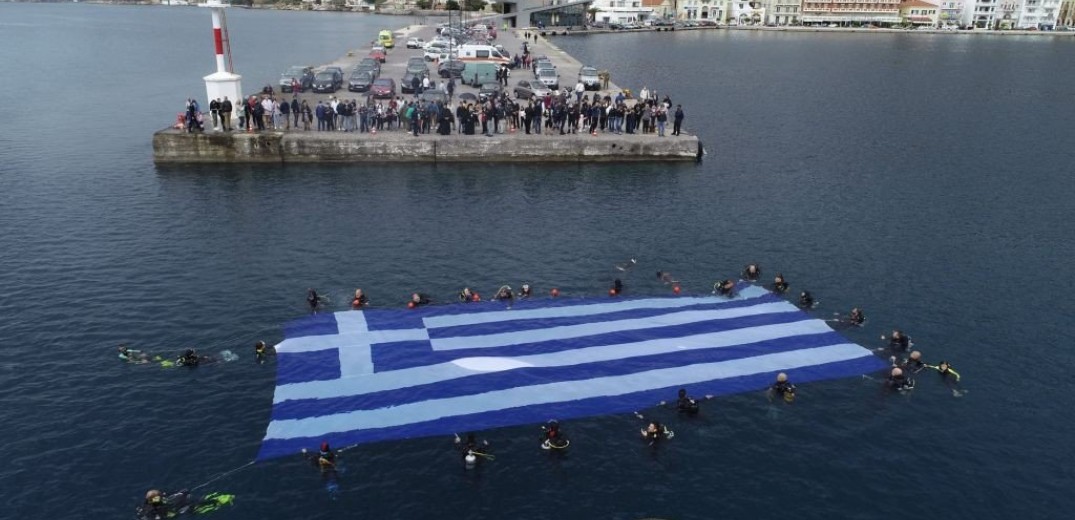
[{"x": 223, "y": 82}]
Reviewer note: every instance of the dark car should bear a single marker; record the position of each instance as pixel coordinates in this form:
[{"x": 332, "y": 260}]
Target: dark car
[
  {"x": 416, "y": 61},
  {"x": 369, "y": 65},
  {"x": 451, "y": 68},
  {"x": 360, "y": 81},
  {"x": 418, "y": 68},
  {"x": 383, "y": 88},
  {"x": 434, "y": 95},
  {"x": 526, "y": 89},
  {"x": 406, "y": 85},
  {"x": 304, "y": 75},
  {"x": 489, "y": 90},
  {"x": 327, "y": 81}
]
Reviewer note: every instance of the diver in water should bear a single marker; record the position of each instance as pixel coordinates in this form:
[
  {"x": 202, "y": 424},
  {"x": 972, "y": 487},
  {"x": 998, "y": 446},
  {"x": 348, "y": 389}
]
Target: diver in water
[
  {"x": 780, "y": 286},
  {"x": 856, "y": 318},
  {"x": 261, "y": 352},
  {"x": 313, "y": 299},
  {"x": 898, "y": 342},
  {"x": 465, "y": 296},
  {"x": 897, "y": 382},
  {"x": 686, "y": 404},
  {"x": 325, "y": 458},
  {"x": 360, "y": 300},
  {"x": 912, "y": 364},
  {"x": 665, "y": 277},
  {"x": 552, "y": 438},
  {"x": 524, "y": 291},
  {"x": 505, "y": 294},
  {"x": 418, "y": 299},
  {"x": 724, "y": 288},
  {"x": 654, "y": 432},
  {"x": 133, "y": 356},
  {"x": 190, "y": 358},
  {"x": 617, "y": 287},
  {"x": 154, "y": 506},
  {"x": 471, "y": 450},
  {"x": 806, "y": 300},
  {"x": 782, "y": 388},
  {"x": 752, "y": 272}
]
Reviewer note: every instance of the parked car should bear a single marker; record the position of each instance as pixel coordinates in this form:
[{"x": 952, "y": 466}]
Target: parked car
[
  {"x": 588, "y": 77},
  {"x": 549, "y": 77},
  {"x": 526, "y": 89},
  {"x": 416, "y": 61},
  {"x": 378, "y": 54},
  {"x": 304, "y": 75},
  {"x": 415, "y": 43},
  {"x": 489, "y": 90},
  {"x": 406, "y": 85},
  {"x": 433, "y": 96},
  {"x": 433, "y": 51},
  {"x": 369, "y": 65},
  {"x": 327, "y": 81},
  {"x": 360, "y": 81},
  {"x": 418, "y": 68},
  {"x": 451, "y": 68},
  {"x": 383, "y": 88}
]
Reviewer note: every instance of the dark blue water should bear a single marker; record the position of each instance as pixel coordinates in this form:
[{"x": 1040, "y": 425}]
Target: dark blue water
[{"x": 924, "y": 178}]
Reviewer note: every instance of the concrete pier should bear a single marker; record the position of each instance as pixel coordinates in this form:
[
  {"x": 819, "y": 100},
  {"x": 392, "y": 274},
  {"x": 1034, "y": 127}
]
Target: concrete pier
[{"x": 297, "y": 146}]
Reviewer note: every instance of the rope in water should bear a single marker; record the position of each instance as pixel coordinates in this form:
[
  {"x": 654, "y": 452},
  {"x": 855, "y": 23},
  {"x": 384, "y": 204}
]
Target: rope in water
[{"x": 222, "y": 475}]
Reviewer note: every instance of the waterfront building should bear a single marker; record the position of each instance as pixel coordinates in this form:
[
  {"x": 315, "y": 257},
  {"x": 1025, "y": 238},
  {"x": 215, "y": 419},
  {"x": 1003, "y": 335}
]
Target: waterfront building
[
  {"x": 783, "y": 12},
  {"x": 621, "y": 11},
  {"x": 851, "y": 12},
  {"x": 744, "y": 12},
  {"x": 1066, "y": 18},
  {"x": 951, "y": 12},
  {"x": 663, "y": 9},
  {"x": 702, "y": 10},
  {"x": 1038, "y": 14},
  {"x": 981, "y": 14},
  {"x": 920, "y": 13}
]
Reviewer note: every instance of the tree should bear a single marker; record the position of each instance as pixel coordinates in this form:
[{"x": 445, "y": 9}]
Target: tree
[
  {"x": 474, "y": 5},
  {"x": 424, "y": 4},
  {"x": 593, "y": 14},
  {"x": 451, "y": 5},
  {"x": 497, "y": 7}
]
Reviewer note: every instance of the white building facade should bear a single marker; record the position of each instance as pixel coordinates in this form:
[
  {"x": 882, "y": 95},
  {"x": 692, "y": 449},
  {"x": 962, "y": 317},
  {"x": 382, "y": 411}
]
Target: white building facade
[{"x": 621, "y": 11}]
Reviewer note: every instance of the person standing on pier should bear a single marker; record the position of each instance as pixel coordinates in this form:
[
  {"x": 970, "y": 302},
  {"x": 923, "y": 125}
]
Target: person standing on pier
[
  {"x": 214, "y": 109},
  {"x": 662, "y": 118},
  {"x": 295, "y": 111},
  {"x": 677, "y": 121},
  {"x": 225, "y": 114},
  {"x": 285, "y": 113}
]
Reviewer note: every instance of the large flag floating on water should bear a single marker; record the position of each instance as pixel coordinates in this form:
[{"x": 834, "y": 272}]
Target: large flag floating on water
[{"x": 378, "y": 374}]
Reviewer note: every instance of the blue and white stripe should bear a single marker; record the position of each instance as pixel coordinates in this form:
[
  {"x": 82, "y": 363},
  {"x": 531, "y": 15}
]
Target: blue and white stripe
[{"x": 364, "y": 376}]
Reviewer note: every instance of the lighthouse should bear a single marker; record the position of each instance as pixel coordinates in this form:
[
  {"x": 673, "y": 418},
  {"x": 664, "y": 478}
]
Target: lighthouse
[{"x": 223, "y": 82}]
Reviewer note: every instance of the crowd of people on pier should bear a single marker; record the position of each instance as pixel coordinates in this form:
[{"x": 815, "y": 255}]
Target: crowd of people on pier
[{"x": 559, "y": 112}]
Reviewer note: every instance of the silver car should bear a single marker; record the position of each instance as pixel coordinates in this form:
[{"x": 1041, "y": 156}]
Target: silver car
[
  {"x": 549, "y": 78},
  {"x": 589, "y": 79}
]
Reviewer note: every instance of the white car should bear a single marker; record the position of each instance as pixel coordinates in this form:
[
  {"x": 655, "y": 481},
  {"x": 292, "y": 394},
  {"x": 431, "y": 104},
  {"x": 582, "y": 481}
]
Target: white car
[
  {"x": 415, "y": 43},
  {"x": 434, "y": 52}
]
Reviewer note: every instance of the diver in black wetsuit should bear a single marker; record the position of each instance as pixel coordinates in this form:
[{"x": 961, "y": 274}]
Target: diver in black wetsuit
[
  {"x": 725, "y": 288},
  {"x": 465, "y": 296},
  {"x": 856, "y": 317},
  {"x": 261, "y": 352},
  {"x": 806, "y": 300},
  {"x": 899, "y": 341},
  {"x": 524, "y": 291},
  {"x": 752, "y": 272},
  {"x": 780, "y": 286},
  {"x": 655, "y": 432},
  {"x": 189, "y": 358},
  {"x": 552, "y": 437},
  {"x": 897, "y": 382},
  {"x": 686, "y": 404},
  {"x": 782, "y": 388},
  {"x": 418, "y": 299},
  {"x": 912, "y": 364},
  {"x": 505, "y": 294},
  {"x": 471, "y": 450},
  {"x": 617, "y": 287},
  {"x": 313, "y": 299}
]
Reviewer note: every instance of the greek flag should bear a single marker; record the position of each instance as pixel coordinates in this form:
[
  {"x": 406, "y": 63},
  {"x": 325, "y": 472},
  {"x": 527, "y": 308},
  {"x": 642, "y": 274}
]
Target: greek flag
[{"x": 379, "y": 374}]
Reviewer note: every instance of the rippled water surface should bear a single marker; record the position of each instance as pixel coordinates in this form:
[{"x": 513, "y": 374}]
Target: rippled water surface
[{"x": 925, "y": 178}]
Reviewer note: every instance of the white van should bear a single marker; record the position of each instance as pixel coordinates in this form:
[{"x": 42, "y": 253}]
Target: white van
[{"x": 482, "y": 53}]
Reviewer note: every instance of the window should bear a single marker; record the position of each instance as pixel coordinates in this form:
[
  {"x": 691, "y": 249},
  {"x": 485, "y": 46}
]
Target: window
[{"x": 481, "y": 54}]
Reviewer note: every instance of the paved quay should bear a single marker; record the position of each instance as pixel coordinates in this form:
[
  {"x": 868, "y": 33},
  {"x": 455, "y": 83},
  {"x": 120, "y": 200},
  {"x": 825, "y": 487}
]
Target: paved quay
[{"x": 397, "y": 145}]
